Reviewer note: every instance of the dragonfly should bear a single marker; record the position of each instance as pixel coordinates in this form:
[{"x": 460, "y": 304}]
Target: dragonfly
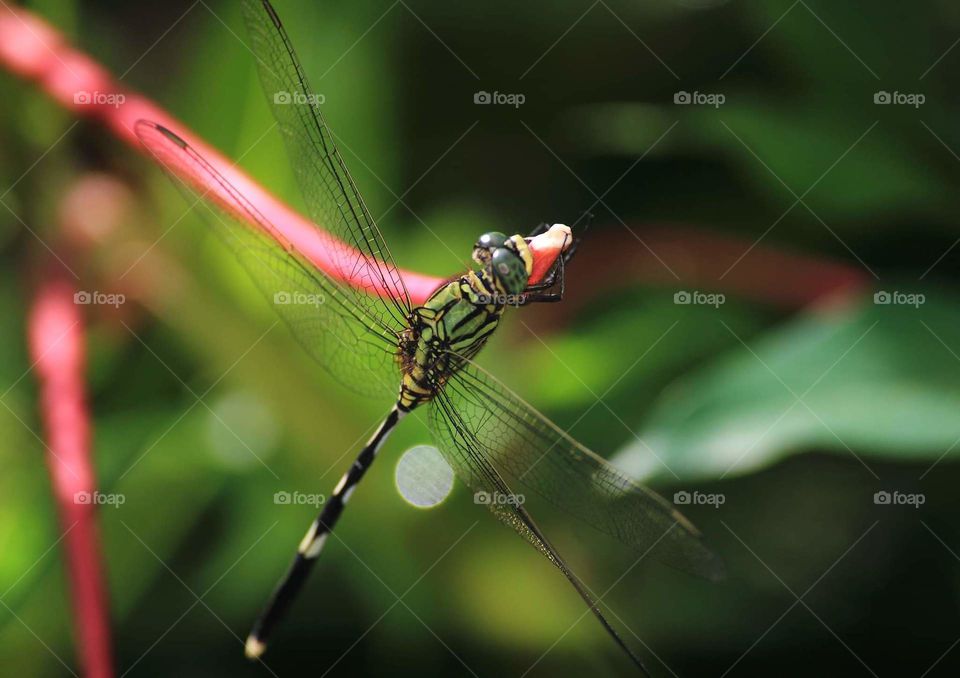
[{"x": 370, "y": 336}]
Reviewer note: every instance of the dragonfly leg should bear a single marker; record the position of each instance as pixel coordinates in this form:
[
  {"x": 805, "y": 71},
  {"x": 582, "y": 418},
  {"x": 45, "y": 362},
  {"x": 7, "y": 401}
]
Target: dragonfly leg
[
  {"x": 538, "y": 292},
  {"x": 556, "y": 271},
  {"x": 542, "y": 227},
  {"x": 313, "y": 541},
  {"x": 540, "y": 297},
  {"x": 568, "y": 255},
  {"x": 549, "y": 280}
]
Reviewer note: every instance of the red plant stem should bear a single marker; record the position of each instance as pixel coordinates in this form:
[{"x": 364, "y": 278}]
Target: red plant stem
[
  {"x": 706, "y": 261},
  {"x": 56, "y": 342},
  {"x": 34, "y": 50}
]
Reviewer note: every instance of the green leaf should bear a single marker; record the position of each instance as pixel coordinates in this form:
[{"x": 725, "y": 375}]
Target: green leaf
[{"x": 874, "y": 381}]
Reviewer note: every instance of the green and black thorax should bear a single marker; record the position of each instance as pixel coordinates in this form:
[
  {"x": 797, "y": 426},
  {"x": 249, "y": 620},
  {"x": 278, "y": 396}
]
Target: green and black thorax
[{"x": 457, "y": 319}]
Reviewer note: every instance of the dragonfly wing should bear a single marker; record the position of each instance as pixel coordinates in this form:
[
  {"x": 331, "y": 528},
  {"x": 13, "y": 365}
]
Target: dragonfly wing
[
  {"x": 329, "y": 191},
  {"x": 495, "y": 429},
  {"x": 470, "y": 459},
  {"x": 325, "y": 316}
]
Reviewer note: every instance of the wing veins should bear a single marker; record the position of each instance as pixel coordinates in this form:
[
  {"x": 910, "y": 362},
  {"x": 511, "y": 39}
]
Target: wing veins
[
  {"x": 530, "y": 531},
  {"x": 364, "y": 232}
]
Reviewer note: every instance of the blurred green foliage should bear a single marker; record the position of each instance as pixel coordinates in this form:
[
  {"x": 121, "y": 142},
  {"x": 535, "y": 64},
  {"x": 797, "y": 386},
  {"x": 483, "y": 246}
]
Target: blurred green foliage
[
  {"x": 881, "y": 379},
  {"x": 201, "y": 366}
]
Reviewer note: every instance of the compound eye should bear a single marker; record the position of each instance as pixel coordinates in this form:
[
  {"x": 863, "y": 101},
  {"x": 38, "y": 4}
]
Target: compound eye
[
  {"x": 491, "y": 240},
  {"x": 509, "y": 270}
]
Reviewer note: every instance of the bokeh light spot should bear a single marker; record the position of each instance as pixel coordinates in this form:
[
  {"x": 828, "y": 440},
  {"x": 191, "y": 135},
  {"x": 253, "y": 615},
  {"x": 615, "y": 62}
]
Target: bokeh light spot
[{"x": 424, "y": 478}]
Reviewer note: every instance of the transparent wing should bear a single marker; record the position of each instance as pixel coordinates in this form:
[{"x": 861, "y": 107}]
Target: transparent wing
[
  {"x": 467, "y": 455},
  {"x": 324, "y": 315},
  {"x": 483, "y": 426},
  {"x": 331, "y": 197}
]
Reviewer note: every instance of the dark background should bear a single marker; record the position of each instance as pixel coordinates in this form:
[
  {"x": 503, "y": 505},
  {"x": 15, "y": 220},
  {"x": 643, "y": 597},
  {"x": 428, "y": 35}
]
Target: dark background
[{"x": 796, "y": 404}]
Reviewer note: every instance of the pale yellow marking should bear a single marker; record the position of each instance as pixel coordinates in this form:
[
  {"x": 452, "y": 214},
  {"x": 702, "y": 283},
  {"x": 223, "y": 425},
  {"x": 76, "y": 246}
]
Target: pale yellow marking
[
  {"x": 317, "y": 546},
  {"x": 253, "y": 648},
  {"x": 307, "y": 539}
]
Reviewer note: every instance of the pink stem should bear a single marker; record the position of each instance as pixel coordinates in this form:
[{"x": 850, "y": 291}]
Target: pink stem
[
  {"x": 56, "y": 339},
  {"x": 34, "y": 50},
  {"x": 680, "y": 257}
]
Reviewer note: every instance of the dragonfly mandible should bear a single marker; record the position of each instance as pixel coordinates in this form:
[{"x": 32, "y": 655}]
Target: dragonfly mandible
[{"x": 370, "y": 336}]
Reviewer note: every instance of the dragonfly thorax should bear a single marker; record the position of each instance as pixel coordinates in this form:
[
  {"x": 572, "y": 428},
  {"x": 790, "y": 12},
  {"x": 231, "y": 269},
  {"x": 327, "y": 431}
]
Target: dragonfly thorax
[
  {"x": 450, "y": 328},
  {"x": 457, "y": 319}
]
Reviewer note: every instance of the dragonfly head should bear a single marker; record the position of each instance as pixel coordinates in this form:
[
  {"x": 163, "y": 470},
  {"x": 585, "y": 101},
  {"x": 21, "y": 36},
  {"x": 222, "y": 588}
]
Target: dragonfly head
[
  {"x": 507, "y": 259},
  {"x": 485, "y": 246}
]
